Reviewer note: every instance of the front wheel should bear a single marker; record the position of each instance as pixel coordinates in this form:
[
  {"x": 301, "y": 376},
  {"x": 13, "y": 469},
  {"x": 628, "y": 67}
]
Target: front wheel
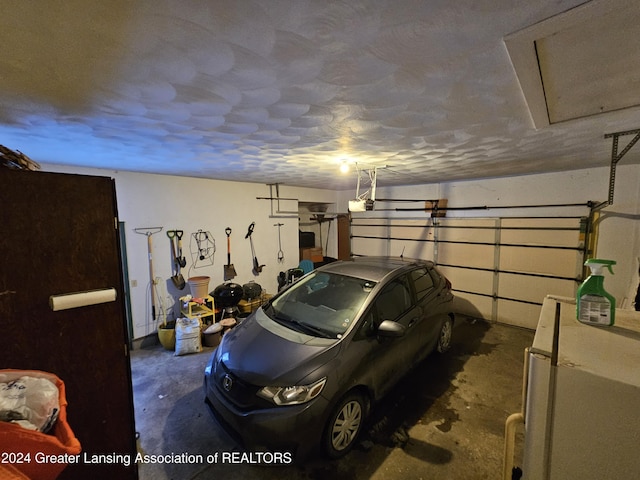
[
  {"x": 344, "y": 425},
  {"x": 444, "y": 339}
]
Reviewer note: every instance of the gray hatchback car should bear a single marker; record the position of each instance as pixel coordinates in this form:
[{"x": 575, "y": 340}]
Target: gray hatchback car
[{"x": 304, "y": 370}]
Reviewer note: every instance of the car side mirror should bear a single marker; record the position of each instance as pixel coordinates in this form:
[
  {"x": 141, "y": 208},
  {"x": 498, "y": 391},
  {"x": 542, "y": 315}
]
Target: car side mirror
[{"x": 389, "y": 328}]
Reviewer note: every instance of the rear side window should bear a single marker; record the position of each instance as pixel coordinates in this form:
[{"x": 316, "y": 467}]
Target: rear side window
[
  {"x": 394, "y": 300},
  {"x": 422, "y": 282}
]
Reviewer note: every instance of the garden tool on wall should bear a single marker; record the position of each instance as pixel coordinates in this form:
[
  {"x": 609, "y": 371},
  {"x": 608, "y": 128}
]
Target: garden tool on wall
[
  {"x": 203, "y": 248},
  {"x": 229, "y": 269},
  {"x": 201, "y": 238},
  {"x": 257, "y": 268},
  {"x": 149, "y": 231},
  {"x": 182, "y": 261},
  {"x": 280, "y": 252},
  {"x": 176, "y": 278}
]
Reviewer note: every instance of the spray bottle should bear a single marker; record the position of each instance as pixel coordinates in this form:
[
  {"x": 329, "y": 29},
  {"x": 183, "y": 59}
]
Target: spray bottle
[{"x": 595, "y": 306}]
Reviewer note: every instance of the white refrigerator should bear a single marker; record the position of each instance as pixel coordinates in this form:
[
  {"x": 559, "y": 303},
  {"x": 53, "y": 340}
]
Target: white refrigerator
[{"x": 582, "y": 409}]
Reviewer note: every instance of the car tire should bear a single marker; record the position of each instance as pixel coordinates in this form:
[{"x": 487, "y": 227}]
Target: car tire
[
  {"x": 344, "y": 425},
  {"x": 444, "y": 337}
]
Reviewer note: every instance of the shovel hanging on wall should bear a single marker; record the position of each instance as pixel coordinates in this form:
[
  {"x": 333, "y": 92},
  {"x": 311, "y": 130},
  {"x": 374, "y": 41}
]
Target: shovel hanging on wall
[
  {"x": 229, "y": 270},
  {"x": 182, "y": 261},
  {"x": 176, "y": 278}
]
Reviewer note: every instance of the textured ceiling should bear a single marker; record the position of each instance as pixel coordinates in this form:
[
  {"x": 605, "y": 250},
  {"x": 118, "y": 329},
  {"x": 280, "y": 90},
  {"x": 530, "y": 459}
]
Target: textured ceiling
[{"x": 283, "y": 91}]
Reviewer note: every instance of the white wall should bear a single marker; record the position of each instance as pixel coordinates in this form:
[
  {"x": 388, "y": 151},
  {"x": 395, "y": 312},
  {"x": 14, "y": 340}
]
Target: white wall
[
  {"x": 192, "y": 204},
  {"x": 619, "y": 237},
  {"x": 619, "y": 232}
]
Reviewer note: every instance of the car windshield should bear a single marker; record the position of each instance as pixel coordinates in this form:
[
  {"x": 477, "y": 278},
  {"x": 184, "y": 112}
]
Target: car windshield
[{"x": 321, "y": 304}]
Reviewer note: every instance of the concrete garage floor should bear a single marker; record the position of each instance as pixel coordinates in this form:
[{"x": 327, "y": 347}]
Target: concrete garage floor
[{"x": 445, "y": 420}]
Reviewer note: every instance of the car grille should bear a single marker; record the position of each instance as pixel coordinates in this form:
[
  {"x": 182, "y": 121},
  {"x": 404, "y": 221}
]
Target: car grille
[{"x": 242, "y": 394}]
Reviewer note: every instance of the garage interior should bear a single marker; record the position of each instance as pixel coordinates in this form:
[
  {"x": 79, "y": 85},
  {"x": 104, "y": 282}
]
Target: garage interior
[{"x": 496, "y": 139}]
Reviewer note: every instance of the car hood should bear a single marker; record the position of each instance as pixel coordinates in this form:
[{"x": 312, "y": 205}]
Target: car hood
[{"x": 262, "y": 352}]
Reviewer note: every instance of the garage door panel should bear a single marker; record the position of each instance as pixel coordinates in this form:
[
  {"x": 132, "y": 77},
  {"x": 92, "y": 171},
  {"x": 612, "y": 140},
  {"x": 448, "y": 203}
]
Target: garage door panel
[
  {"x": 540, "y": 260},
  {"x": 558, "y": 232},
  {"x": 518, "y": 314},
  {"x": 533, "y": 289},
  {"x": 470, "y": 280},
  {"x": 409, "y": 249},
  {"x": 418, "y": 231},
  {"x": 473, "y": 306},
  {"x": 479, "y": 256},
  {"x": 368, "y": 246},
  {"x": 372, "y": 231},
  {"x": 499, "y": 267},
  {"x": 561, "y": 238},
  {"x": 476, "y": 230},
  {"x": 556, "y": 223}
]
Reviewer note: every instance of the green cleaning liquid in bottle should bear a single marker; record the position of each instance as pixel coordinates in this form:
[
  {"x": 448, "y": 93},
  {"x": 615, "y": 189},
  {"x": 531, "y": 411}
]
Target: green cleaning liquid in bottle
[{"x": 595, "y": 306}]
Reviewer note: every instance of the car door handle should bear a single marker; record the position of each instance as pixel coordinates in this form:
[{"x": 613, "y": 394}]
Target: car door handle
[{"x": 412, "y": 322}]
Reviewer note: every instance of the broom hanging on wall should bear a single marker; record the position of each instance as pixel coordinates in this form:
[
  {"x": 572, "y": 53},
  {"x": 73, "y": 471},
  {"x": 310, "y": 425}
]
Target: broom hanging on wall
[{"x": 148, "y": 232}]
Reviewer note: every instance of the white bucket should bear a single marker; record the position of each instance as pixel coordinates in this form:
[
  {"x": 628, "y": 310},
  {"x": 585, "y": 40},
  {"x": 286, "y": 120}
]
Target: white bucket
[{"x": 199, "y": 286}]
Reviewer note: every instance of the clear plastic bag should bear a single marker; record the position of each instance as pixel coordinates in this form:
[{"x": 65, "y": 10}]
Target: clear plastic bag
[
  {"x": 59, "y": 441},
  {"x": 29, "y": 401}
]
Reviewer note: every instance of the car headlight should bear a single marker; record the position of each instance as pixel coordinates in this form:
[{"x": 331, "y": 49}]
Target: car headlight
[{"x": 293, "y": 395}]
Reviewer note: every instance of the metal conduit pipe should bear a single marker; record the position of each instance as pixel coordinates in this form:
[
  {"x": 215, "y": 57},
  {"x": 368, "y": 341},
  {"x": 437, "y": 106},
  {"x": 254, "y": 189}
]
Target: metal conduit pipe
[
  {"x": 391, "y": 200},
  {"x": 516, "y": 217},
  {"x": 513, "y": 421},
  {"x": 490, "y": 244},
  {"x": 474, "y": 207},
  {"x": 487, "y": 207},
  {"x": 474, "y": 227}
]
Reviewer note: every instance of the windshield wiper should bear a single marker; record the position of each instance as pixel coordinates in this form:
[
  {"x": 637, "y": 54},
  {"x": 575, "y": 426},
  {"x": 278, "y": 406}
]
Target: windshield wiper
[
  {"x": 317, "y": 330},
  {"x": 302, "y": 327},
  {"x": 285, "y": 320}
]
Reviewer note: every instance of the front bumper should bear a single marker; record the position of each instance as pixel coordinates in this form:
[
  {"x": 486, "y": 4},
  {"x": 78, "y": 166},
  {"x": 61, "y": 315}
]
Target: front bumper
[{"x": 295, "y": 428}]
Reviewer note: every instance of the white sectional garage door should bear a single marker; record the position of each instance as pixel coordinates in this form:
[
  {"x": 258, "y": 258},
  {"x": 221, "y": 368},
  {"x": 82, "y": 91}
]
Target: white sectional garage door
[{"x": 501, "y": 268}]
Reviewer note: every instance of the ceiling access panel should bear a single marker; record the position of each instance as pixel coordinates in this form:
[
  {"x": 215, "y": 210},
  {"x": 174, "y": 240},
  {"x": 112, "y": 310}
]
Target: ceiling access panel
[{"x": 583, "y": 62}]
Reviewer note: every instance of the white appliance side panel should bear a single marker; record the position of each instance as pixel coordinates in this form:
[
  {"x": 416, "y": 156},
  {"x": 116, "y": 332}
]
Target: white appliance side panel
[
  {"x": 595, "y": 429},
  {"x": 543, "y": 339},
  {"x": 537, "y": 414}
]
